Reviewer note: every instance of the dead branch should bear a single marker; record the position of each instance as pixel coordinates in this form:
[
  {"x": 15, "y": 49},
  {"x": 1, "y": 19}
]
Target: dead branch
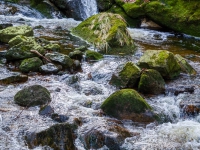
[{"x": 36, "y": 52}]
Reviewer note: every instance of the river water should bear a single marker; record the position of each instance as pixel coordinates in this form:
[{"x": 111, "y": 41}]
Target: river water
[{"x": 82, "y": 98}]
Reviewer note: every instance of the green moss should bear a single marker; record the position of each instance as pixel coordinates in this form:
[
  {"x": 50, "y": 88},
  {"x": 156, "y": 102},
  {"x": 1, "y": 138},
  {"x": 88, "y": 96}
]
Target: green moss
[
  {"x": 151, "y": 82},
  {"x": 44, "y": 9},
  {"x": 10, "y": 32},
  {"x": 130, "y": 21},
  {"x": 22, "y": 50},
  {"x": 105, "y": 30},
  {"x": 124, "y": 101},
  {"x": 162, "y": 61},
  {"x": 53, "y": 47},
  {"x": 128, "y": 76},
  {"x": 181, "y": 16},
  {"x": 30, "y": 64},
  {"x": 185, "y": 66},
  {"x": 92, "y": 55}
]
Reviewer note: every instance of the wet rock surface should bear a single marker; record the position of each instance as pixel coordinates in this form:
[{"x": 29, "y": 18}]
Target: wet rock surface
[
  {"x": 49, "y": 68},
  {"x": 32, "y": 96},
  {"x": 59, "y": 136},
  {"x": 161, "y": 60},
  {"x": 12, "y": 78}
]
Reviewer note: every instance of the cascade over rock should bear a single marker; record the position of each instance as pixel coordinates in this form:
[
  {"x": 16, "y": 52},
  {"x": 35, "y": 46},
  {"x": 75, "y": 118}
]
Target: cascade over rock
[{"x": 77, "y": 9}]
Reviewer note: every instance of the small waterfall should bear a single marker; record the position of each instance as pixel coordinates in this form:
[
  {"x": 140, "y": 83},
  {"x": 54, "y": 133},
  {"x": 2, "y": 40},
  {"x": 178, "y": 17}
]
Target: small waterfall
[
  {"x": 82, "y": 9},
  {"x": 89, "y": 8}
]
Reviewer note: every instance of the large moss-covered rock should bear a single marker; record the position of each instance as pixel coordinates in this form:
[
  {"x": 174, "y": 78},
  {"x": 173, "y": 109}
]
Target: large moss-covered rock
[
  {"x": 151, "y": 82},
  {"x": 23, "y": 48},
  {"x": 32, "y": 96},
  {"x": 30, "y": 64},
  {"x": 127, "y": 76},
  {"x": 107, "y": 32},
  {"x": 127, "y": 104},
  {"x": 58, "y": 137},
  {"x": 62, "y": 59},
  {"x": 179, "y": 15},
  {"x": 92, "y": 55},
  {"x": 161, "y": 60},
  {"x": 10, "y": 32},
  {"x": 185, "y": 66}
]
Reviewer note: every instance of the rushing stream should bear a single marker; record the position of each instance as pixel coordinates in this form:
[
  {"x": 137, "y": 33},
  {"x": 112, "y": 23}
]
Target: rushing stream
[{"x": 80, "y": 95}]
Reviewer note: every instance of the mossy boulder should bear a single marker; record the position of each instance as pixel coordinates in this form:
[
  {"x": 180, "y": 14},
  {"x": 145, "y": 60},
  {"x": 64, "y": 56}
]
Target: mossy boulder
[
  {"x": 151, "y": 82},
  {"x": 53, "y": 47},
  {"x": 30, "y": 64},
  {"x": 107, "y": 32},
  {"x": 58, "y": 137},
  {"x": 161, "y": 60},
  {"x": 77, "y": 54},
  {"x": 131, "y": 22},
  {"x": 61, "y": 59},
  {"x": 127, "y": 76},
  {"x": 32, "y": 96},
  {"x": 180, "y": 15},
  {"x": 127, "y": 104},
  {"x": 185, "y": 66},
  {"x": 10, "y": 32},
  {"x": 23, "y": 48},
  {"x": 92, "y": 55}
]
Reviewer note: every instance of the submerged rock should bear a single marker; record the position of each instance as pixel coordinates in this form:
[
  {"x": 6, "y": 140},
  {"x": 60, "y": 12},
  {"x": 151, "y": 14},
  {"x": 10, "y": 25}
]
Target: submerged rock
[
  {"x": 32, "y": 96},
  {"x": 95, "y": 139},
  {"x": 49, "y": 68},
  {"x": 127, "y": 76},
  {"x": 10, "y": 32},
  {"x": 161, "y": 60},
  {"x": 151, "y": 82},
  {"x": 128, "y": 104},
  {"x": 47, "y": 110},
  {"x": 58, "y": 137},
  {"x": 92, "y": 55},
  {"x": 185, "y": 66},
  {"x": 62, "y": 59},
  {"x": 30, "y": 64},
  {"x": 13, "y": 78}
]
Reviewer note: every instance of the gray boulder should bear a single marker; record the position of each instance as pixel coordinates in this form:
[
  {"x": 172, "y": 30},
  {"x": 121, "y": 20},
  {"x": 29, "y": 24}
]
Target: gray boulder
[{"x": 32, "y": 96}]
